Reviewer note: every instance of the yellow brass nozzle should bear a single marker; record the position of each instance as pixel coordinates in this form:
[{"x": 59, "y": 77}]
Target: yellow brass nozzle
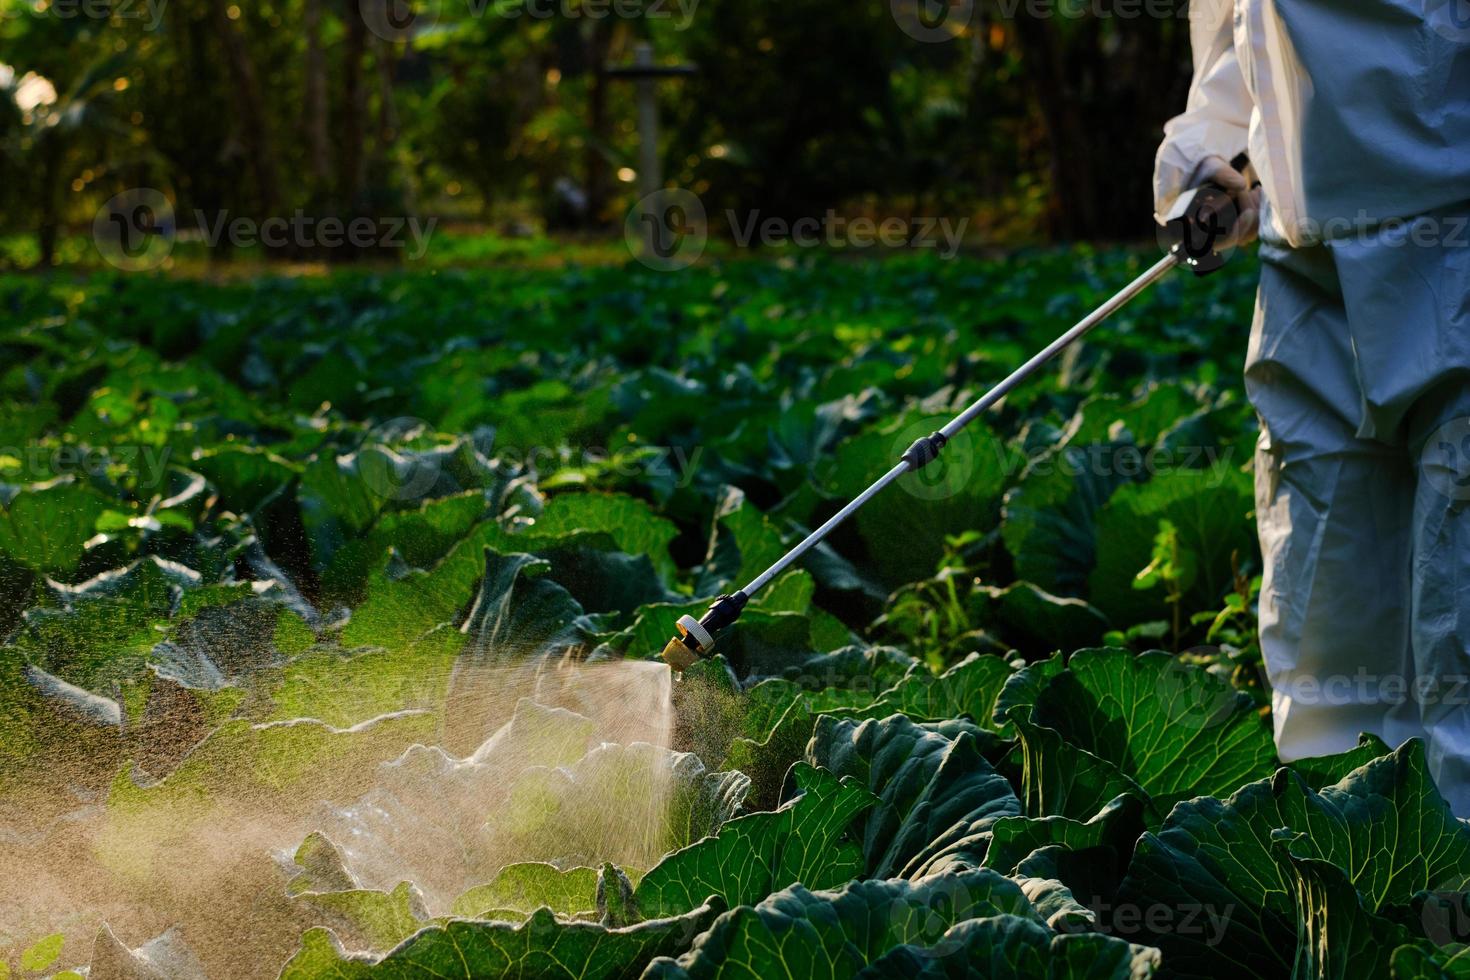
[{"x": 679, "y": 656}]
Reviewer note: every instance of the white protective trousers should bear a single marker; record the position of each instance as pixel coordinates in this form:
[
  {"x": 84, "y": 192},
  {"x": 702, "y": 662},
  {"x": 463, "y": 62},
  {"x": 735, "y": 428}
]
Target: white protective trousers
[{"x": 1356, "y": 116}]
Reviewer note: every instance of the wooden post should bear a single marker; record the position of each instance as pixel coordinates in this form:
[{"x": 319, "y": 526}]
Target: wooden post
[
  {"x": 650, "y": 173},
  {"x": 645, "y": 74}
]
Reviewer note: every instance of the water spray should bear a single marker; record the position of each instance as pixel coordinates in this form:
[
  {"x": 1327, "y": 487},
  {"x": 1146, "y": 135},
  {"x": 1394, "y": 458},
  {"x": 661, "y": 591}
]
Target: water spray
[{"x": 1196, "y": 229}]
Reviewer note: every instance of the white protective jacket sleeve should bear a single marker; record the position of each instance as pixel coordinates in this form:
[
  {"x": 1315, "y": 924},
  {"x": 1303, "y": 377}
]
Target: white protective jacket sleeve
[{"x": 1216, "y": 119}]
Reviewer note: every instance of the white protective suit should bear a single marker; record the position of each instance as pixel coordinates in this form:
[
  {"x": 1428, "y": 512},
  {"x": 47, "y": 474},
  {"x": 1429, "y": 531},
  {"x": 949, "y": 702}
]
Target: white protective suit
[{"x": 1356, "y": 117}]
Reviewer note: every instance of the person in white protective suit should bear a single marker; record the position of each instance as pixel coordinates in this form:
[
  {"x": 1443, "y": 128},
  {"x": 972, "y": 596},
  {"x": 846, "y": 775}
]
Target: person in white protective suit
[{"x": 1355, "y": 115}]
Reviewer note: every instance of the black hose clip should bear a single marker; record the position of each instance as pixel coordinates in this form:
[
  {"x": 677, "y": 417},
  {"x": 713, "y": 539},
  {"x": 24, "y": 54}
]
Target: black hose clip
[{"x": 925, "y": 450}]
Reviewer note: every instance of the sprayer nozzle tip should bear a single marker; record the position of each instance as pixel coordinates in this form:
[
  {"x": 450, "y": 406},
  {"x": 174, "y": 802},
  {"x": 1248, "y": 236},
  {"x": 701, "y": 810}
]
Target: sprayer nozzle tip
[{"x": 679, "y": 656}]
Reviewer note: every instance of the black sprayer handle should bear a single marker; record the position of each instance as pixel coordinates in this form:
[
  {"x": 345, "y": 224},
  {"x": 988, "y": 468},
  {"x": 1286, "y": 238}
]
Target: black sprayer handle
[{"x": 1201, "y": 222}]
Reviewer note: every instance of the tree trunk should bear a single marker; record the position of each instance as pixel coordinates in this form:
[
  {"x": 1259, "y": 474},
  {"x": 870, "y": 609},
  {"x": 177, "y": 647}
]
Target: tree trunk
[
  {"x": 316, "y": 101},
  {"x": 352, "y": 161},
  {"x": 380, "y": 171},
  {"x": 385, "y": 57},
  {"x": 1090, "y": 89},
  {"x": 598, "y": 43},
  {"x": 256, "y": 130},
  {"x": 53, "y": 188}
]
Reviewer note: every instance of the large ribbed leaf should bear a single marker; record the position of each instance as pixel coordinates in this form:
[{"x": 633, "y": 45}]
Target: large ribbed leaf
[
  {"x": 800, "y": 933},
  {"x": 46, "y": 528},
  {"x": 1059, "y": 779},
  {"x": 1049, "y": 521},
  {"x": 541, "y": 948},
  {"x": 634, "y": 526},
  {"x": 1384, "y": 826},
  {"x": 1089, "y": 858},
  {"x": 1208, "y": 507},
  {"x": 969, "y": 688},
  {"x": 938, "y": 796},
  {"x": 760, "y": 853},
  {"x": 1175, "y": 729},
  {"x": 904, "y": 529},
  {"x": 1018, "y": 949}
]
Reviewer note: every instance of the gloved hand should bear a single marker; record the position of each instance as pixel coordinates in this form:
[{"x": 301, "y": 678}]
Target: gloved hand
[{"x": 1247, "y": 198}]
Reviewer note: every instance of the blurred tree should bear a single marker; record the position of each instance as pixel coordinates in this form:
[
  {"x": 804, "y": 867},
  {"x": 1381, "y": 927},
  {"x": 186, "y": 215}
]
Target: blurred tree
[
  {"x": 496, "y": 109},
  {"x": 1104, "y": 86},
  {"x": 255, "y": 130},
  {"x": 314, "y": 104},
  {"x": 49, "y": 137},
  {"x": 788, "y": 102}
]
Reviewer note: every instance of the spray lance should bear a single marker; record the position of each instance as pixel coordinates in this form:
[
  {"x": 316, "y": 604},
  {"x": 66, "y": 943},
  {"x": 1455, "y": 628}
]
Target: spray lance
[{"x": 1195, "y": 229}]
